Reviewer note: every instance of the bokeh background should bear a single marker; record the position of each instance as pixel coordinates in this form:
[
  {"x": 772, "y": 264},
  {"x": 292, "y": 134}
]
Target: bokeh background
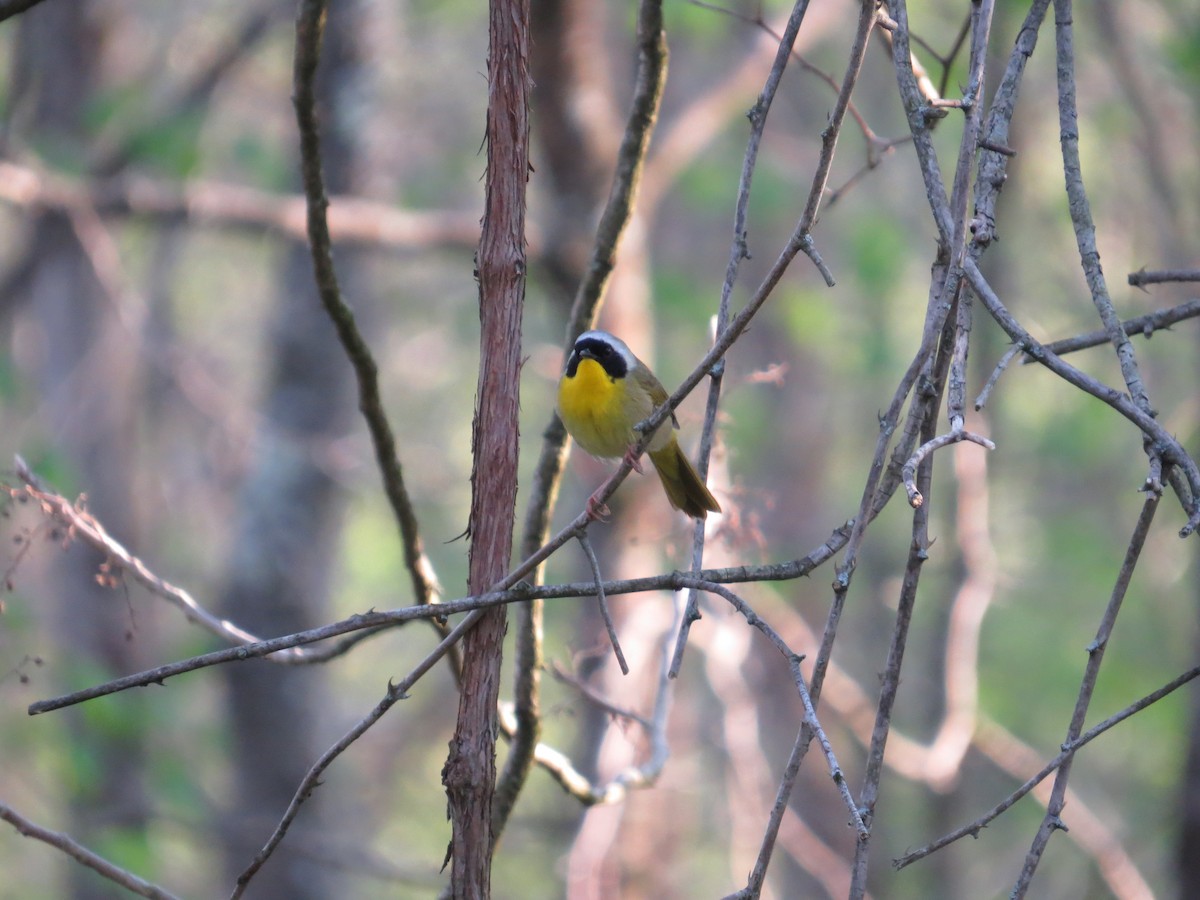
[{"x": 164, "y": 354}]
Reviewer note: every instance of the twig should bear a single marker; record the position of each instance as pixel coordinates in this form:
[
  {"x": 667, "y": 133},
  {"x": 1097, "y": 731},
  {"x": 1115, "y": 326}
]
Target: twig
[
  {"x": 1069, "y": 749},
  {"x": 800, "y": 241},
  {"x": 510, "y": 590},
  {"x": 915, "y": 498},
  {"x": 737, "y": 252},
  {"x": 605, "y": 614},
  {"x": 810, "y": 728},
  {"x": 1081, "y": 214},
  {"x": 81, "y": 854},
  {"x": 1052, "y": 821},
  {"x": 644, "y": 774},
  {"x": 588, "y": 693},
  {"x": 890, "y": 681},
  {"x": 309, "y": 28},
  {"x": 352, "y": 220},
  {"x": 1139, "y": 325},
  {"x": 312, "y": 778},
  {"x": 831, "y": 132},
  {"x": 1009, "y": 355},
  {"x": 979, "y": 20},
  {"x": 993, "y": 163},
  {"x": 935, "y": 316},
  {"x": 801, "y": 237},
  {"x": 918, "y": 123},
  {"x": 793, "y": 660},
  {"x": 1141, "y": 277},
  {"x": 81, "y": 524},
  {"x": 1170, "y": 448},
  {"x": 779, "y": 808}
]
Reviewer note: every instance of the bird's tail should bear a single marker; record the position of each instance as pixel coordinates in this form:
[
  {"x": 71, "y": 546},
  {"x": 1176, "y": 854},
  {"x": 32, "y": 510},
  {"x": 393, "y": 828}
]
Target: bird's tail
[{"x": 682, "y": 482}]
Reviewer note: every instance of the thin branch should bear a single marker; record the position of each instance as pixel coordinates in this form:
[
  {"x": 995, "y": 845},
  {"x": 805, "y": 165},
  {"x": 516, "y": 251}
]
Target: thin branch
[
  {"x": 81, "y": 524},
  {"x": 1085, "y": 227},
  {"x": 309, "y": 28},
  {"x": 82, "y": 855},
  {"x": 738, "y": 251},
  {"x": 1069, "y": 749},
  {"x": 980, "y": 20},
  {"x": 793, "y": 660},
  {"x": 1052, "y": 821},
  {"x": 512, "y": 589},
  {"x": 1144, "y": 326},
  {"x": 1009, "y": 355},
  {"x": 605, "y": 614},
  {"x": 915, "y": 498},
  {"x": 758, "y": 875},
  {"x": 353, "y": 220},
  {"x": 1167, "y": 445},
  {"x": 993, "y": 164},
  {"x": 831, "y": 132},
  {"x": 1141, "y": 277},
  {"x": 312, "y": 778},
  {"x": 924, "y": 407},
  {"x": 919, "y": 117},
  {"x": 800, "y": 241}
]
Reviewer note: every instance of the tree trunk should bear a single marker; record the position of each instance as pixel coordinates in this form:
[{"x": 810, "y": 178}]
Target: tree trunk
[
  {"x": 470, "y": 771},
  {"x": 289, "y": 514}
]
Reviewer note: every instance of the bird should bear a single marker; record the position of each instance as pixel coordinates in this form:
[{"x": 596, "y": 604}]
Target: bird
[{"x": 605, "y": 390}]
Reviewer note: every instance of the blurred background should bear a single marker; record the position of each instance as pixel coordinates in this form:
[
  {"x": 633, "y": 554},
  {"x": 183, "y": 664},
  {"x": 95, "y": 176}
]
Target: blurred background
[{"x": 164, "y": 354}]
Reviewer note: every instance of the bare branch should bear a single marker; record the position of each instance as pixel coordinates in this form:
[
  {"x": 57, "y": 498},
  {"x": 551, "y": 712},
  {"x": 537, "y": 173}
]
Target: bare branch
[
  {"x": 1139, "y": 325},
  {"x": 312, "y": 778},
  {"x": 1080, "y": 209},
  {"x": 915, "y": 498},
  {"x": 84, "y": 856},
  {"x": 586, "y": 543},
  {"x": 81, "y": 524},
  {"x": 1068, "y": 751},
  {"x": 309, "y": 28},
  {"x": 1052, "y": 821},
  {"x": 352, "y": 220},
  {"x": 738, "y": 251},
  {"x": 1141, "y": 277},
  {"x": 618, "y": 210},
  {"x": 1172, "y": 451}
]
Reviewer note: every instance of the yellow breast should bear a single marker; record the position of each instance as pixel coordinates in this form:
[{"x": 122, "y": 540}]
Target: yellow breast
[{"x": 595, "y": 409}]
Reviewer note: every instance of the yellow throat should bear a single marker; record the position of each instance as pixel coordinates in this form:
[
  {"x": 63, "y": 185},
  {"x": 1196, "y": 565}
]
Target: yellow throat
[{"x": 592, "y": 406}]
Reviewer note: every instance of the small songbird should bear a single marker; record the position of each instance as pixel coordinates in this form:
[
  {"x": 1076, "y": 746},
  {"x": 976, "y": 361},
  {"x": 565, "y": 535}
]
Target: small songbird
[{"x": 605, "y": 391}]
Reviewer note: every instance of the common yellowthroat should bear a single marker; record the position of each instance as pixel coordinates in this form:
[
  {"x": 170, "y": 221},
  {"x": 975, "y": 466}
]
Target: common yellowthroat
[{"x": 605, "y": 391}]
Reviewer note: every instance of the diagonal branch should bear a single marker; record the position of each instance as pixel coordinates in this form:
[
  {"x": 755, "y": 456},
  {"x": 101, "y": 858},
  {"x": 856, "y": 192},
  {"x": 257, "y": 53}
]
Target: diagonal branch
[
  {"x": 1069, "y": 749},
  {"x": 83, "y": 855},
  {"x": 1052, "y": 821},
  {"x": 309, "y": 28}
]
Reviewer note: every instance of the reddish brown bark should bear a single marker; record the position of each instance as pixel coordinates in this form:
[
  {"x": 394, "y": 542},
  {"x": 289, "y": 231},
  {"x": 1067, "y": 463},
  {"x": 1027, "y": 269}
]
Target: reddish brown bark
[{"x": 470, "y": 771}]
